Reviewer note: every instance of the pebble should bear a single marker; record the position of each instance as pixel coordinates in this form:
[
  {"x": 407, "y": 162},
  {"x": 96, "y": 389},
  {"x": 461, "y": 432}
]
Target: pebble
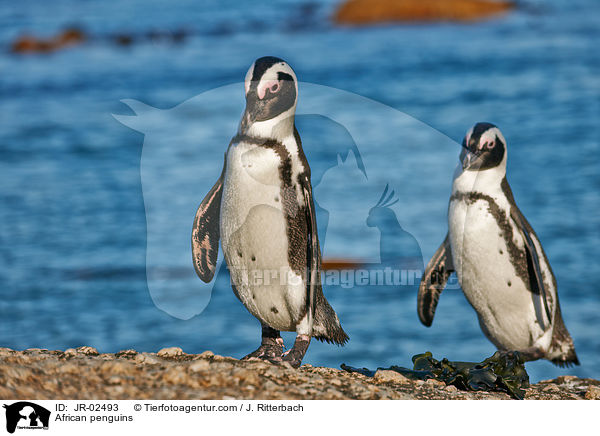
[
  {"x": 434, "y": 382},
  {"x": 126, "y": 353},
  {"x": 389, "y": 376},
  {"x": 34, "y": 350},
  {"x": 565, "y": 379},
  {"x": 170, "y": 352},
  {"x": 551, "y": 388},
  {"x": 114, "y": 380},
  {"x": 147, "y": 359},
  {"x": 199, "y": 365},
  {"x": 593, "y": 393},
  {"x": 88, "y": 351},
  {"x": 175, "y": 376}
]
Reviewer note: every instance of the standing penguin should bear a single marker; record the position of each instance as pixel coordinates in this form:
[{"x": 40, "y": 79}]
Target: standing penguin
[
  {"x": 500, "y": 263},
  {"x": 262, "y": 209}
]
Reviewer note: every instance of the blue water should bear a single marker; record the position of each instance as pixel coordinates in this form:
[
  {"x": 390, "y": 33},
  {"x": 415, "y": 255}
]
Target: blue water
[{"x": 77, "y": 212}]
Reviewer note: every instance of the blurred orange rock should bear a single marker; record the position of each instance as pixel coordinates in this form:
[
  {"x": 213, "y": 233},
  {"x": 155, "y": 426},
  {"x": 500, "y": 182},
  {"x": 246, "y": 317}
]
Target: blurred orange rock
[
  {"x": 28, "y": 43},
  {"x": 69, "y": 37},
  {"x": 358, "y": 12},
  {"x": 32, "y": 44}
]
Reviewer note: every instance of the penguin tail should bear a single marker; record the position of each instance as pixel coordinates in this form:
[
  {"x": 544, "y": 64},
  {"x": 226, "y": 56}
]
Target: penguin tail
[
  {"x": 327, "y": 327},
  {"x": 562, "y": 350}
]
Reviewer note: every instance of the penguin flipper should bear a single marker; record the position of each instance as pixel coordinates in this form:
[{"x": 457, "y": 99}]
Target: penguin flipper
[
  {"x": 313, "y": 251},
  {"x": 536, "y": 281},
  {"x": 206, "y": 232},
  {"x": 326, "y": 325},
  {"x": 435, "y": 277}
]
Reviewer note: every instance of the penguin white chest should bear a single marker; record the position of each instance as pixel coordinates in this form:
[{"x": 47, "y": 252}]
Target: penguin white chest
[
  {"x": 254, "y": 237},
  {"x": 488, "y": 278}
]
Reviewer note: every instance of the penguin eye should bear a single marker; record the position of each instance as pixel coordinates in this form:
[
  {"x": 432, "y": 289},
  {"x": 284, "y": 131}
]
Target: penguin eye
[{"x": 274, "y": 88}]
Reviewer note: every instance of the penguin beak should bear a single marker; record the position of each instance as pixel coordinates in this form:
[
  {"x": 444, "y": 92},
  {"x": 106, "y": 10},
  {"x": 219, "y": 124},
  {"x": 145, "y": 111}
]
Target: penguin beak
[{"x": 468, "y": 158}]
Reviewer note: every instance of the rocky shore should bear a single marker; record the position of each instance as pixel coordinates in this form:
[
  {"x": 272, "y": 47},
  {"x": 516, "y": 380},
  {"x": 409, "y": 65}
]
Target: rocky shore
[{"x": 83, "y": 373}]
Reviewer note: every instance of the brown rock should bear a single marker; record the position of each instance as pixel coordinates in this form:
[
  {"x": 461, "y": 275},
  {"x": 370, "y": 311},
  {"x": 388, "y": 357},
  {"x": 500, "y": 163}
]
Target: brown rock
[
  {"x": 170, "y": 352},
  {"x": 88, "y": 351},
  {"x": 199, "y": 365},
  {"x": 565, "y": 379},
  {"x": 434, "y": 382},
  {"x": 358, "y": 12},
  {"x": 593, "y": 393},
  {"x": 126, "y": 353},
  {"x": 32, "y": 44},
  {"x": 388, "y": 376}
]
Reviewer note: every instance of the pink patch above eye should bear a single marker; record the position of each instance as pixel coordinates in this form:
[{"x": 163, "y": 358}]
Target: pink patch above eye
[{"x": 271, "y": 85}]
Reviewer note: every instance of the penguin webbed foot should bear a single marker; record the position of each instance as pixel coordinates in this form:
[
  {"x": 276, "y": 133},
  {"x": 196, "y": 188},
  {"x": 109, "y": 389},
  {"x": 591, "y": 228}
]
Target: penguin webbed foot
[
  {"x": 527, "y": 355},
  {"x": 271, "y": 346},
  {"x": 295, "y": 355}
]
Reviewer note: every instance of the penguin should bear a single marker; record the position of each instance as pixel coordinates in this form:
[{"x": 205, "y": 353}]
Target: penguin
[
  {"x": 262, "y": 211},
  {"x": 498, "y": 258}
]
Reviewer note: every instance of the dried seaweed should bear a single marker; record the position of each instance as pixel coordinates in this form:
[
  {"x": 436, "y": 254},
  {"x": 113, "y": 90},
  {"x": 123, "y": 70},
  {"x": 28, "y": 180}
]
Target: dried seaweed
[{"x": 504, "y": 372}]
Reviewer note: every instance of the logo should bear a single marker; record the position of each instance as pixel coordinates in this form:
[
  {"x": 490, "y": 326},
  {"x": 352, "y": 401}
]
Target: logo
[
  {"x": 26, "y": 415},
  {"x": 366, "y": 159}
]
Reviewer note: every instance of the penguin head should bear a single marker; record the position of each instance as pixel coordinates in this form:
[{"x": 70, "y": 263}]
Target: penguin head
[
  {"x": 484, "y": 147},
  {"x": 271, "y": 95}
]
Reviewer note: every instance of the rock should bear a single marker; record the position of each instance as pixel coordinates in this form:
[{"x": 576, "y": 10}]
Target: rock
[
  {"x": 126, "y": 353},
  {"x": 147, "y": 359},
  {"x": 551, "y": 388},
  {"x": 356, "y": 12},
  {"x": 593, "y": 393},
  {"x": 388, "y": 376},
  {"x": 35, "y": 350},
  {"x": 174, "y": 376},
  {"x": 565, "y": 379},
  {"x": 88, "y": 351},
  {"x": 206, "y": 354},
  {"x": 32, "y": 44},
  {"x": 199, "y": 365},
  {"x": 170, "y": 352},
  {"x": 434, "y": 382},
  {"x": 48, "y": 375},
  {"x": 114, "y": 380}
]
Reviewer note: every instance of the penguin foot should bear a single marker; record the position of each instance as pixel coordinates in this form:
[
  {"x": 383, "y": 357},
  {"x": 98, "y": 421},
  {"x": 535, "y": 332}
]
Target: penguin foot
[
  {"x": 270, "y": 349},
  {"x": 532, "y": 353},
  {"x": 295, "y": 355}
]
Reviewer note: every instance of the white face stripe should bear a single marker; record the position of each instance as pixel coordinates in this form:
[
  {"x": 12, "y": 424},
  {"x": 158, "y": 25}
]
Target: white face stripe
[
  {"x": 468, "y": 136},
  {"x": 248, "y": 77},
  {"x": 269, "y": 77},
  {"x": 488, "y": 138}
]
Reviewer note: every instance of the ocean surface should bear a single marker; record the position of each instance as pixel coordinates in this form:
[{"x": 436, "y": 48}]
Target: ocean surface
[{"x": 106, "y": 150}]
